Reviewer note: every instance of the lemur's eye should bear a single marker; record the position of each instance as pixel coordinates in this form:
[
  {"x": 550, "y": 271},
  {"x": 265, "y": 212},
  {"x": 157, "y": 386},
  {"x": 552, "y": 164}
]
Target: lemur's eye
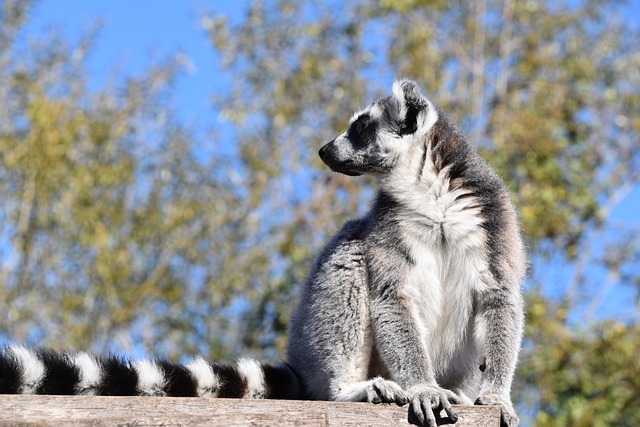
[{"x": 359, "y": 126}]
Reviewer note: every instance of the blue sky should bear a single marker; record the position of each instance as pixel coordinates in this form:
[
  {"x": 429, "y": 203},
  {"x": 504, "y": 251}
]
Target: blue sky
[{"x": 138, "y": 33}]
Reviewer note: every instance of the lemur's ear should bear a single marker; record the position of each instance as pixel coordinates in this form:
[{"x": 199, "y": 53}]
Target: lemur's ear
[{"x": 409, "y": 102}]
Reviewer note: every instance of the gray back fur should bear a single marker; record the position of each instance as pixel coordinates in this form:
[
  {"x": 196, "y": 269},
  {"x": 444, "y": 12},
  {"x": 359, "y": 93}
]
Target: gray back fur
[{"x": 419, "y": 301}]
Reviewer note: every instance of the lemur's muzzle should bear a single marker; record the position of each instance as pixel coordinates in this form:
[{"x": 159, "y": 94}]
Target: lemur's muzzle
[
  {"x": 323, "y": 152},
  {"x": 328, "y": 155},
  {"x": 330, "y": 158}
]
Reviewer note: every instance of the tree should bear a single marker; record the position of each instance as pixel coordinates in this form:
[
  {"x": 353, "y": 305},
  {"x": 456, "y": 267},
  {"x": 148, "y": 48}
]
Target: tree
[
  {"x": 118, "y": 232},
  {"x": 547, "y": 92},
  {"x": 584, "y": 377}
]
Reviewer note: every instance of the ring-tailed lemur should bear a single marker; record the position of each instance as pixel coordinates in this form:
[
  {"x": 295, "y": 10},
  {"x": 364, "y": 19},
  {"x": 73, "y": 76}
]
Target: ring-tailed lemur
[{"x": 417, "y": 302}]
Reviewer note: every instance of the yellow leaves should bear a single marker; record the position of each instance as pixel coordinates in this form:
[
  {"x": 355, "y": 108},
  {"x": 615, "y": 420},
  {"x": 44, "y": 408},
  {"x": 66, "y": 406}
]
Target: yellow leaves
[
  {"x": 47, "y": 137},
  {"x": 582, "y": 374},
  {"x": 538, "y": 309},
  {"x": 314, "y": 29},
  {"x": 13, "y": 152},
  {"x": 399, "y": 5},
  {"x": 540, "y": 148},
  {"x": 100, "y": 234},
  {"x": 614, "y": 331},
  {"x": 81, "y": 167},
  {"x": 179, "y": 213},
  {"x": 405, "y": 6},
  {"x": 562, "y": 313}
]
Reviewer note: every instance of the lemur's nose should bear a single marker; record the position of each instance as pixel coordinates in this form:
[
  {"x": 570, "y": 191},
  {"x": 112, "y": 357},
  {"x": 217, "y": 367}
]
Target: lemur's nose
[{"x": 323, "y": 151}]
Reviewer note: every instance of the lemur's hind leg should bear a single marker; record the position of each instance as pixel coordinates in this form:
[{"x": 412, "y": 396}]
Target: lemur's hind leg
[{"x": 330, "y": 336}]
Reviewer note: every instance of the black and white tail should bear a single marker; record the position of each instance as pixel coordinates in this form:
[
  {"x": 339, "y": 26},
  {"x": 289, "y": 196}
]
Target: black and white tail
[{"x": 39, "y": 371}]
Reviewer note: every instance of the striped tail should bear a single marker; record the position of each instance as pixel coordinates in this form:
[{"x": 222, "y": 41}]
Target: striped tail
[{"x": 39, "y": 371}]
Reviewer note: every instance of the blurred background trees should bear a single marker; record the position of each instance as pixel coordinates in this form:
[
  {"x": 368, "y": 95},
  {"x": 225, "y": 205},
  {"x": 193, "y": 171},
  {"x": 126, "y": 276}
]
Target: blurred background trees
[{"x": 123, "y": 229}]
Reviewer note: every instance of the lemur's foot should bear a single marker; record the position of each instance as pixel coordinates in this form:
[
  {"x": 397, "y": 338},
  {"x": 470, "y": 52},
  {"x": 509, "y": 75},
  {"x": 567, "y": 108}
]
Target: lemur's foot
[
  {"x": 509, "y": 417},
  {"x": 376, "y": 390},
  {"x": 428, "y": 401},
  {"x": 385, "y": 391}
]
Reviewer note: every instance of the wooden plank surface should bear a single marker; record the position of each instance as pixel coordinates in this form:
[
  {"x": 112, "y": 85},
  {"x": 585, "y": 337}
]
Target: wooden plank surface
[{"x": 138, "y": 411}]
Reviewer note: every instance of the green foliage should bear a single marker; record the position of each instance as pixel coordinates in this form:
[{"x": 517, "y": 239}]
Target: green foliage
[
  {"x": 584, "y": 377},
  {"x": 108, "y": 212},
  {"x": 118, "y": 235}
]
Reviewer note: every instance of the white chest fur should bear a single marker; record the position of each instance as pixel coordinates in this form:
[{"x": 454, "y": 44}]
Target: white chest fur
[
  {"x": 444, "y": 235},
  {"x": 439, "y": 291}
]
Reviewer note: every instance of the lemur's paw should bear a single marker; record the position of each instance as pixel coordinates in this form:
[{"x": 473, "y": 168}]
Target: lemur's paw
[
  {"x": 509, "y": 417},
  {"x": 385, "y": 391},
  {"x": 428, "y": 401},
  {"x": 376, "y": 390}
]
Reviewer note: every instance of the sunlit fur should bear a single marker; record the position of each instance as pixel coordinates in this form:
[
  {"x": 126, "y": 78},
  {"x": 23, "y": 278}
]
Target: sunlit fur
[
  {"x": 426, "y": 286},
  {"x": 26, "y": 370},
  {"x": 32, "y": 370},
  {"x": 89, "y": 373},
  {"x": 151, "y": 381},
  {"x": 253, "y": 376},
  {"x": 208, "y": 382}
]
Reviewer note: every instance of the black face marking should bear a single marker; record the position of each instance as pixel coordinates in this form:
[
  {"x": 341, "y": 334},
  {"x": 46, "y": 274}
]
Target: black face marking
[
  {"x": 330, "y": 155},
  {"x": 354, "y": 153},
  {"x": 362, "y": 131},
  {"x": 358, "y": 126}
]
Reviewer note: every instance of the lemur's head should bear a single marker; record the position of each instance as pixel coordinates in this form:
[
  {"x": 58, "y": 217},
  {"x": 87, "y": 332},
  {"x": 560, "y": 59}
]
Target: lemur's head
[{"x": 380, "y": 133}]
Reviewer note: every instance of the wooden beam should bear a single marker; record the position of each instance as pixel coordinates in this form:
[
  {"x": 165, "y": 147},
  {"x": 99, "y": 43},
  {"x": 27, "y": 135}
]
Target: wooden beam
[{"x": 99, "y": 411}]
